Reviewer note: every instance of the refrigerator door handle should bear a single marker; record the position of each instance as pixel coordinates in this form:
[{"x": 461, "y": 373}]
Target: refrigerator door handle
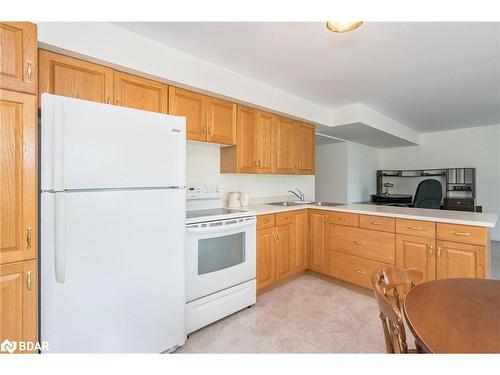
[
  {"x": 60, "y": 229},
  {"x": 58, "y": 147}
]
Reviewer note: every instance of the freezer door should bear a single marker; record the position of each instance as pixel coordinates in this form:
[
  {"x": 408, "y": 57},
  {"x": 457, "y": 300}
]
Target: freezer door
[
  {"x": 89, "y": 145},
  {"x": 113, "y": 271}
]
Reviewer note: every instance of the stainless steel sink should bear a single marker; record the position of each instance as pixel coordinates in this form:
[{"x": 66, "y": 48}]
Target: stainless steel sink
[
  {"x": 291, "y": 204},
  {"x": 328, "y": 204},
  {"x": 286, "y": 204}
]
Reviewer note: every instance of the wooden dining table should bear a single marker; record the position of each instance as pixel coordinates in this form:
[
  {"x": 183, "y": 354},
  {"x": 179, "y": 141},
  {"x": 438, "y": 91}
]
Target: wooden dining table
[{"x": 455, "y": 315}]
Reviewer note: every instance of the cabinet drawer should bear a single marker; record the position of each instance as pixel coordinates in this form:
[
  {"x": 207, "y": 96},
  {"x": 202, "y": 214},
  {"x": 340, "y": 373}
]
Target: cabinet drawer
[
  {"x": 416, "y": 228},
  {"x": 266, "y": 221},
  {"x": 385, "y": 224},
  {"x": 353, "y": 269},
  {"x": 344, "y": 218},
  {"x": 462, "y": 233},
  {"x": 379, "y": 246},
  {"x": 284, "y": 218}
]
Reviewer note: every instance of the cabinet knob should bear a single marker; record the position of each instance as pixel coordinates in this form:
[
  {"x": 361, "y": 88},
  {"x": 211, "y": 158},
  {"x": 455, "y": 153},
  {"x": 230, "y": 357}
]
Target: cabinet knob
[
  {"x": 360, "y": 272},
  {"x": 29, "y": 232},
  {"x": 414, "y": 227},
  {"x": 357, "y": 242},
  {"x": 430, "y": 252},
  {"x": 438, "y": 255},
  {"x": 29, "y": 71},
  {"x": 109, "y": 100},
  {"x": 28, "y": 282}
]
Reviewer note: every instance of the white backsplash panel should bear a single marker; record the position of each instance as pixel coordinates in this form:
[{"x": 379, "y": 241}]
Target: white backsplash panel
[{"x": 203, "y": 165}]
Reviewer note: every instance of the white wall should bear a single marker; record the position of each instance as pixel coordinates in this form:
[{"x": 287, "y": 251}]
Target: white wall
[
  {"x": 477, "y": 147},
  {"x": 346, "y": 172},
  {"x": 362, "y": 164},
  {"x": 331, "y": 172},
  {"x": 203, "y": 167}
]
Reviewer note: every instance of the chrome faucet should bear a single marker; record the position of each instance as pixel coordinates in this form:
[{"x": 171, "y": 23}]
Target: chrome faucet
[{"x": 299, "y": 195}]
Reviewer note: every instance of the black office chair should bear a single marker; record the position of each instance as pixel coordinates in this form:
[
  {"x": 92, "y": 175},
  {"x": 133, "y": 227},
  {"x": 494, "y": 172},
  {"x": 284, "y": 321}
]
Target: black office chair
[{"x": 429, "y": 194}]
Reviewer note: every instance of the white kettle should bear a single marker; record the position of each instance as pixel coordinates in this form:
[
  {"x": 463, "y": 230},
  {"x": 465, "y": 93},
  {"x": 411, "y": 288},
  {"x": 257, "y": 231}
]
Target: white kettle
[{"x": 233, "y": 200}]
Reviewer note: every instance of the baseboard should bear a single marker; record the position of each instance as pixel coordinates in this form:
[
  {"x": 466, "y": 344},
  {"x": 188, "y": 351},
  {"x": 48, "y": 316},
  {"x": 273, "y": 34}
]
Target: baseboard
[{"x": 279, "y": 283}]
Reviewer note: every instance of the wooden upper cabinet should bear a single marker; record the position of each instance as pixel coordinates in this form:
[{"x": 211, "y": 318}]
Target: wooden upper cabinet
[
  {"x": 18, "y": 177},
  {"x": 191, "y": 105},
  {"x": 140, "y": 93},
  {"x": 264, "y": 139},
  {"x": 221, "y": 121},
  {"x": 319, "y": 252},
  {"x": 306, "y": 155},
  {"x": 246, "y": 133},
  {"x": 18, "y": 57},
  {"x": 284, "y": 155},
  {"x": 417, "y": 252},
  {"x": 18, "y": 301},
  {"x": 300, "y": 241},
  {"x": 460, "y": 260},
  {"x": 75, "y": 78}
]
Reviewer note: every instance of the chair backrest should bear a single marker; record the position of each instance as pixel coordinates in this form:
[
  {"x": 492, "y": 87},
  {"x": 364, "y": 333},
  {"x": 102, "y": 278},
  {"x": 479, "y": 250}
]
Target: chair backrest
[
  {"x": 386, "y": 282},
  {"x": 429, "y": 194}
]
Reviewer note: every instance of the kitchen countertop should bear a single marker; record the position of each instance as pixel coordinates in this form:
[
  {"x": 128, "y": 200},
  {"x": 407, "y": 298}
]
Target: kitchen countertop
[{"x": 442, "y": 216}]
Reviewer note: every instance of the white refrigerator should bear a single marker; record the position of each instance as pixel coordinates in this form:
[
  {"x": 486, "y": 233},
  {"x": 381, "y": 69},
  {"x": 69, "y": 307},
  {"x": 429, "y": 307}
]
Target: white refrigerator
[{"x": 112, "y": 254}]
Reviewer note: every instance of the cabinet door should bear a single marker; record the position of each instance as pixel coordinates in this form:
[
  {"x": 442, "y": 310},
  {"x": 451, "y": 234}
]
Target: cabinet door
[
  {"x": 139, "y": 93},
  {"x": 18, "y": 56},
  {"x": 66, "y": 76},
  {"x": 221, "y": 121},
  {"x": 247, "y": 140},
  {"x": 18, "y": 177},
  {"x": 264, "y": 142},
  {"x": 299, "y": 243},
  {"x": 416, "y": 252},
  {"x": 305, "y": 148},
  {"x": 460, "y": 260},
  {"x": 283, "y": 260},
  {"x": 266, "y": 257},
  {"x": 193, "y": 106},
  {"x": 319, "y": 253},
  {"x": 18, "y": 301},
  {"x": 284, "y": 146}
]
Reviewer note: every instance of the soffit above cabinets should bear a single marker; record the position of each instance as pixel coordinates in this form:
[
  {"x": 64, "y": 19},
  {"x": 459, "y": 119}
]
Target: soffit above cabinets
[{"x": 359, "y": 133}]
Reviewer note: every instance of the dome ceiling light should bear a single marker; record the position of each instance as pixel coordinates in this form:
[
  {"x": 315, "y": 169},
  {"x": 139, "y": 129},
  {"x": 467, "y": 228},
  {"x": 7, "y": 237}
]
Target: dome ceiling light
[{"x": 342, "y": 27}]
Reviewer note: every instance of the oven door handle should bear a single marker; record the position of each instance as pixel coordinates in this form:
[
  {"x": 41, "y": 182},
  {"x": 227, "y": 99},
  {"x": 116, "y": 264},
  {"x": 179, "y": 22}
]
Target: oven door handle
[{"x": 195, "y": 228}]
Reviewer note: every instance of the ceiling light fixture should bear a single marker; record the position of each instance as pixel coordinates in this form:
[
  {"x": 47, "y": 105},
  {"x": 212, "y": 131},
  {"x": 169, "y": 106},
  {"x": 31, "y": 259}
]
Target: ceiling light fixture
[{"x": 342, "y": 27}]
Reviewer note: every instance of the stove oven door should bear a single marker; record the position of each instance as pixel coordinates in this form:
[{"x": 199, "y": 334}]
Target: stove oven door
[{"x": 219, "y": 255}]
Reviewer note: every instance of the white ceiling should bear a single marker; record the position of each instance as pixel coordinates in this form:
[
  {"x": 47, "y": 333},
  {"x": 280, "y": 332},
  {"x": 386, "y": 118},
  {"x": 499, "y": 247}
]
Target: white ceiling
[{"x": 427, "y": 76}]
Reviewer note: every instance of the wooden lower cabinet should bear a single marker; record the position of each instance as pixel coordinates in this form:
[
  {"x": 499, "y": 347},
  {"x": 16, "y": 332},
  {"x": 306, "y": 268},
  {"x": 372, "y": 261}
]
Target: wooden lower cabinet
[
  {"x": 417, "y": 252},
  {"x": 299, "y": 241},
  {"x": 460, "y": 260},
  {"x": 18, "y": 301},
  {"x": 319, "y": 252},
  {"x": 266, "y": 257},
  {"x": 350, "y": 247},
  {"x": 354, "y": 269},
  {"x": 283, "y": 259},
  {"x": 282, "y": 242}
]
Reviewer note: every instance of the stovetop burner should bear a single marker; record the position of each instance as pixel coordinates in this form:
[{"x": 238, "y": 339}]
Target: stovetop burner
[{"x": 212, "y": 212}]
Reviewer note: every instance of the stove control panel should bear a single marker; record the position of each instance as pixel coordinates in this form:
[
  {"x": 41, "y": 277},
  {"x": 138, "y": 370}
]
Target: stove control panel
[{"x": 203, "y": 192}]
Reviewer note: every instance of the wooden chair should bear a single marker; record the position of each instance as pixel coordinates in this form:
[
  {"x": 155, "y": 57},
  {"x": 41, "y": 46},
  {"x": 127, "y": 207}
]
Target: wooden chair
[{"x": 386, "y": 282}]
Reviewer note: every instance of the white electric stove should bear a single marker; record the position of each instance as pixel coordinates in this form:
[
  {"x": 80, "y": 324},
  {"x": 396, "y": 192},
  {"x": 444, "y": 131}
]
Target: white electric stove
[{"x": 220, "y": 258}]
